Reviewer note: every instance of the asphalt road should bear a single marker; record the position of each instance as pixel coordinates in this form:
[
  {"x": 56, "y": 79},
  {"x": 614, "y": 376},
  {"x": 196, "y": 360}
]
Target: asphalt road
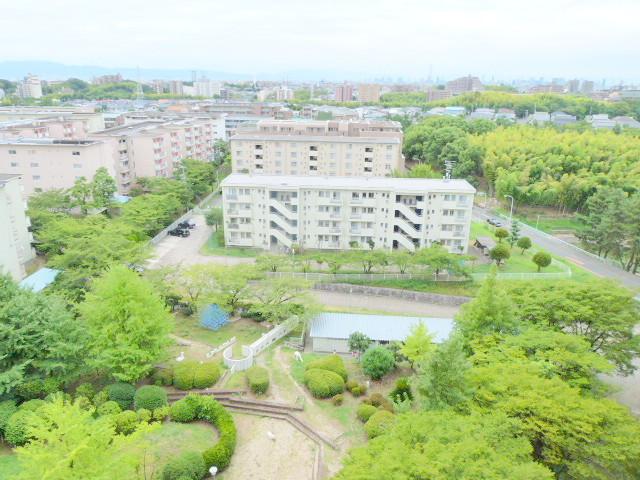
[{"x": 571, "y": 253}]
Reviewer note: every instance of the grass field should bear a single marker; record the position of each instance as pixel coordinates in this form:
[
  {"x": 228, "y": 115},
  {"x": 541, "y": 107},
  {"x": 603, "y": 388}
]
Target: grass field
[
  {"x": 8, "y": 461},
  {"x": 545, "y": 219},
  {"x": 215, "y": 247}
]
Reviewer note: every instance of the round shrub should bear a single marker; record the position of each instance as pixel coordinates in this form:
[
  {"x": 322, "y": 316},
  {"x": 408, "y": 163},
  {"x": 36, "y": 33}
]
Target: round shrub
[
  {"x": 159, "y": 414},
  {"x": 183, "y": 411},
  {"x": 144, "y": 415},
  {"x": 7, "y": 408},
  {"x": 109, "y": 408},
  {"x": 85, "y": 390},
  {"x": 126, "y": 422},
  {"x": 15, "y": 432},
  {"x": 100, "y": 398},
  {"x": 30, "y": 389},
  {"x": 377, "y": 400},
  {"x": 83, "y": 402},
  {"x": 365, "y": 411},
  {"x": 32, "y": 405},
  {"x": 258, "y": 380},
  {"x": 206, "y": 374},
  {"x": 379, "y": 423},
  {"x": 150, "y": 397},
  {"x": 402, "y": 390},
  {"x": 350, "y": 385},
  {"x": 333, "y": 363},
  {"x": 122, "y": 393},
  {"x": 188, "y": 465},
  {"x": 377, "y": 362},
  {"x": 183, "y": 374},
  {"x": 337, "y": 399},
  {"x": 323, "y": 383},
  {"x": 356, "y": 391},
  {"x": 162, "y": 376}
]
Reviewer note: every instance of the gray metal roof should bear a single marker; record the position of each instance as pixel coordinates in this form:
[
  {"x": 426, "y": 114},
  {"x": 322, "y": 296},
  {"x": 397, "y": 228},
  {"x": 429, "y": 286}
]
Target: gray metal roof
[{"x": 377, "y": 327}]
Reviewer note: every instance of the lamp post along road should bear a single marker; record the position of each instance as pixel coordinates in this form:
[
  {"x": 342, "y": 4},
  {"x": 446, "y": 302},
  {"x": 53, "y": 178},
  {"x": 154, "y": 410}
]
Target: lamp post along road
[{"x": 511, "y": 211}]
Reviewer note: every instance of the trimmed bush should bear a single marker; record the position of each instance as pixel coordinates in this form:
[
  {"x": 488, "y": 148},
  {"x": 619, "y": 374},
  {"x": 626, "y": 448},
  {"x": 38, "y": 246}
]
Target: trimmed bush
[
  {"x": 150, "y": 397},
  {"x": 333, "y": 363},
  {"x": 183, "y": 374},
  {"x": 32, "y": 405},
  {"x": 144, "y": 415},
  {"x": 7, "y": 408},
  {"x": 209, "y": 409},
  {"x": 100, "y": 398},
  {"x": 83, "y": 402},
  {"x": 109, "y": 408},
  {"x": 206, "y": 374},
  {"x": 337, "y": 399},
  {"x": 85, "y": 390},
  {"x": 183, "y": 411},
  {"x": 379, "y": 423},
  {"x": 378, "y": 400},
  {"x": 350, "y": 385},
  {"x": 159, "y": 414},
  {"x": 377, "y": 362},
  {"x": 323, "y": 383},
  {"x": 365, "y": 411},
  {"x": 356, "y": 391},
  {"x": 162, "y": 376},
  {"x": 402, "y": 390},
  {"x": 125, "y": 422},
  {"x": 188, "y": 465},
  {"x": 15, "y": 432},
  {"x": 258, "y": 380},
  {"x": 122, "y": 393}
]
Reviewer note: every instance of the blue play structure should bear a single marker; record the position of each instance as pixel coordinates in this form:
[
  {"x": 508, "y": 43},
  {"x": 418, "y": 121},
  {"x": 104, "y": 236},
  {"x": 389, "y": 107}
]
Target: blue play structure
[{"x": 214, "y": 317}]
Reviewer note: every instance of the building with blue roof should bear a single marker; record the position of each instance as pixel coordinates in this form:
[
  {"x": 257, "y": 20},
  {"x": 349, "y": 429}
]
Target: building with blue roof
[
  {"x": 40, "y": 280},
  {"x": 330, "y": 331}
]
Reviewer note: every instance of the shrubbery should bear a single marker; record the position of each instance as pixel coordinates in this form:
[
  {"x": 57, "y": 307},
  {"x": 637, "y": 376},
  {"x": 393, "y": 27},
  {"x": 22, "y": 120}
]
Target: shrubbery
[
  {"x": 125, "y": 422},
  {"x": 402, "y": 390},
  {"x": 379, "y": 423},
  {"x": 191, "y": 374},
  {"x": 162, "y": 376},
  {"x": 122, "y": 393},
  {"x": 108, "y": 408},
  {"x": 378, "y": 400},
  {"x": 159, "y": 414},
  {"x": 100, "y": 398},
  {"x": 183, "y": 411},
  {"x": 323, "y": 383},
  {"x": 365, "y": 411},
  {"x": 187, "y": 466},
  {"x": 85, "y": 390},
  {"x": 32, "y": 405},
  {"x": 37, "y": 388},
  {"x": 258, "y": 379},
  {"x": 356, "y": 389},
  {"x": 333, "y": 363},
  {"x": 15, "y": 432},
  {"x": 144, "y": 415},
  {"x": 337, "y": 399},
  {"x": 7, "y": 408},
  {"x": 377, "y": 362},
  {"x": 150, "y": 397}
]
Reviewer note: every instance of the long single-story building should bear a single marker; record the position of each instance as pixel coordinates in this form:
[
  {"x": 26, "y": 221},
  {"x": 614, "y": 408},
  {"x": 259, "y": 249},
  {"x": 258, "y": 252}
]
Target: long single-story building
[{"x": 330, "y": 331}]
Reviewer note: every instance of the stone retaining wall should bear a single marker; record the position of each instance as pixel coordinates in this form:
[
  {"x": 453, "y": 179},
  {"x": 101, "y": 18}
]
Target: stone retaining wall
[{"x": 426, "y": 297}]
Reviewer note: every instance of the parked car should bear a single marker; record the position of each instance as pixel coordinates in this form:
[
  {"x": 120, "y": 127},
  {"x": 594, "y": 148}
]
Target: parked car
[
  {"x": 179, "y": 232},
  {"x": 494, "y": 221},
  {"x": 190, "y": 224}
]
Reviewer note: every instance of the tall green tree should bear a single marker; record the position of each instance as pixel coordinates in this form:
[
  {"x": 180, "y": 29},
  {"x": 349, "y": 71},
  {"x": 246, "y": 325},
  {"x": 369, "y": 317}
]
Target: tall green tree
[
  {"x": 418, "y": 344},
  {"x": 80, "y": 194},
  {"x": 128, "y": 324},
  {"x": 103, "y": 187}
]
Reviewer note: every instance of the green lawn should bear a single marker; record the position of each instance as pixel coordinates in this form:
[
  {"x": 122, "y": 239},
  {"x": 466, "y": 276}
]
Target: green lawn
[
  {"x": 8, "y": 461},
  {"x": 215, "y": 246},
  {"x": 170, "y": 440},
  {"x": 246, "y": 331},
  {"x": 548, "y": 220},
  {"x": 237, "y": 380},
  {"x": 464, "y": 289}
]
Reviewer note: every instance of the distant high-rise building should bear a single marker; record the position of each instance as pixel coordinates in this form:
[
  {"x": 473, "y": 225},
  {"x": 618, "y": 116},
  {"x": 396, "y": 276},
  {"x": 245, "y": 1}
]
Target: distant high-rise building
[
  {"x": 587, "y": 87},
  {"x": 30, "y": 87},
  {"x": 158, "y": 86},
  {"x": 369, "y": 92},
  {"x": 435, "y": 94},
  {"x": 573, "y": 86},
  {"x": 465, "y": 84},
  {"x": 344, "y": 93},
  {"x": 176, "y": 87},
  {"x": 103, "y": 79},
  {"x": 206, "y": 88},
  {"x": 283, "y": 93}
]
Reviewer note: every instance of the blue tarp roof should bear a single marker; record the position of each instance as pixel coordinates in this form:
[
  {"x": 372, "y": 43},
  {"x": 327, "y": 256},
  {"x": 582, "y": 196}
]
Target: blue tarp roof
[
  {"x": 377, "y": 327},
  {"x": 121, "y": 198},
  {"x": 39, "y": 280}
]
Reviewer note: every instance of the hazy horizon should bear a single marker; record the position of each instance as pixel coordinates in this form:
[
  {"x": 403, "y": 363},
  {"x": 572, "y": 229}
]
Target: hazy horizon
[{"x": 362, "y": 40}]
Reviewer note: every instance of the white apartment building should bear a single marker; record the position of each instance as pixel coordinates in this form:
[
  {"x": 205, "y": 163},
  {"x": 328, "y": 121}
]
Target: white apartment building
[
  {"x": 324, "y": 148},
  {"x": 15, "y": 239},
  {"x": 275, "y": 212},
  {"x": 30, "y": 87},
  {"x": 91, "y": 120}
]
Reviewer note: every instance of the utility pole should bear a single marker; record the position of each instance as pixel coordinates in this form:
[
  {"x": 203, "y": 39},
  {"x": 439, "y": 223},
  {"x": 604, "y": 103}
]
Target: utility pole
[{"x": 511, "y": 211}]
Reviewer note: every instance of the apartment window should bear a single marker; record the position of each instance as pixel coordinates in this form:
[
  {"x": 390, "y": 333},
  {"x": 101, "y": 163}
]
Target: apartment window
[
  {"x": 278, "y": 154},
  {"x": 348, "y": 156},
  {"x": 12, "y": 152},
  {"x": 238, "y": 152},
  {"x": 75, "y": 152},
  {"x": 388, "y": 157},
  {"x": 294, "y": 155},
  {"x": 389, "y": 147},
  {"x": 34, "y": 164},
  {"x": 36, "y": 177},
  {"x": 14, "y": 164},
  {"x": 387, "y": 167}
]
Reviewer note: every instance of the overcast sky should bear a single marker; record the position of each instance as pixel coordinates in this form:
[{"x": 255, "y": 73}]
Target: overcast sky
[{"x": 376, "y": 38}]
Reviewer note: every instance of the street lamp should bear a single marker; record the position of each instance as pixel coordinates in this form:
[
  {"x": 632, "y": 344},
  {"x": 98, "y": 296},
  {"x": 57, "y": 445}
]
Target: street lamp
[{"x": 511, "y": 211}]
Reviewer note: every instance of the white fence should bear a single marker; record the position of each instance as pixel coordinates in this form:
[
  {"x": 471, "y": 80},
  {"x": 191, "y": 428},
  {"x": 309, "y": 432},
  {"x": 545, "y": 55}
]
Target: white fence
[{"x": 250, "y": 351}]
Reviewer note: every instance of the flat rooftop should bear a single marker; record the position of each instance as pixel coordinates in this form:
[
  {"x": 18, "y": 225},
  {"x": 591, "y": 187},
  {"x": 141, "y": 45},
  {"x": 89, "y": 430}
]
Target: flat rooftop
[
  {"x": 364, "y": 183},
  {"x": 47, "y": 141},
  {"x": 262, "y": 136}
]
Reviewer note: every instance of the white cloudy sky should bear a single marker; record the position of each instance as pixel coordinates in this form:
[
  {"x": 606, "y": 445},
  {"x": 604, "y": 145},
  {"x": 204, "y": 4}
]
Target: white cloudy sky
[{"x": 505, "y": 38}]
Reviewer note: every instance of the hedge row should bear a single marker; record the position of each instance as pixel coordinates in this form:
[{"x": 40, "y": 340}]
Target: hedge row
[
  {"x": 199, "y": 407},
  {"x": 191, "y": 374},
  {"x": 323, "y": 383},
  {"x": 333, "y": 363},
  {"x": 258, "y": 379}
]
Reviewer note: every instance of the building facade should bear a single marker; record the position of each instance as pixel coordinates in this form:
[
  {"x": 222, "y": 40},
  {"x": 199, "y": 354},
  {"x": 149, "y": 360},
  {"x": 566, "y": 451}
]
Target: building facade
[
  {"x": 465, "y": 84},
  {"x": 343, "y": 93},
  {"x": 340, "y": 213},
  {"x": 326, "y": 148},
  {"x": 369, "y": 92},
  {"x": 15, "y": 238},
  {"x": 30, "y": 87}
]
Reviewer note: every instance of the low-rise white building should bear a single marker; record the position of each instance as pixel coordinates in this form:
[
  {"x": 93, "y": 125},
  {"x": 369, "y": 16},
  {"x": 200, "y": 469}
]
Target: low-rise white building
[
  {"x": 15, "y": 238},
  {"x": 276, "y": 212}
]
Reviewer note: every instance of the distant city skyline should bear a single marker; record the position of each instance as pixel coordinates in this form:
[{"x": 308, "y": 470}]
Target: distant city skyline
[{"x": 349, "y": 39}]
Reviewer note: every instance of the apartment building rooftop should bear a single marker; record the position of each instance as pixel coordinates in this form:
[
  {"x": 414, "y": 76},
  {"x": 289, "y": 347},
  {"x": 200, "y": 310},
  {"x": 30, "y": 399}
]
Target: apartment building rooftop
[
  {"x": 368, "y": 183},
  {"x": 314, "y": 138},
  {"x": 45, "y": 141}
]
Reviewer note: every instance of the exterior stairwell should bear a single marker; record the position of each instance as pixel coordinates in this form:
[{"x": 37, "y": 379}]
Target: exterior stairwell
[
  {"x": 283, "y": 223},
  {"x": 283, "y": 209},
  {"x": 281, "y": 236},
  {"x": 408, "y": 213}
]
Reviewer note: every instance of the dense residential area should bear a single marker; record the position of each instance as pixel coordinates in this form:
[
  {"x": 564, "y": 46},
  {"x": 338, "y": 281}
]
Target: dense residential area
[{"x": 304, "y": 273}]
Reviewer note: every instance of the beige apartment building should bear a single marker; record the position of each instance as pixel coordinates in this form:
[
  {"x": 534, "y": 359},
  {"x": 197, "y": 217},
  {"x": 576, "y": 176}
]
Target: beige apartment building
[
  {"x": 91, "y": 120},
  {"x": 369, "y": 92},
  {"x": 276, "y": 212},
  {"x": 68, "y": 128},
  {"x": 325, "y": 148},
  {"x": 465, "y": 84},
  {"x": 15, "y": 239}
]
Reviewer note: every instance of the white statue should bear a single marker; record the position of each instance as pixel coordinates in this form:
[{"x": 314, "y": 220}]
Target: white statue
[
  {"x": 368, "y": 384},
  {"x": 298, "y": 356},
  {"x": 180, "y": 357},
  {"x": 271, "y": 436},
  {"x": 213, "y": 471}
]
